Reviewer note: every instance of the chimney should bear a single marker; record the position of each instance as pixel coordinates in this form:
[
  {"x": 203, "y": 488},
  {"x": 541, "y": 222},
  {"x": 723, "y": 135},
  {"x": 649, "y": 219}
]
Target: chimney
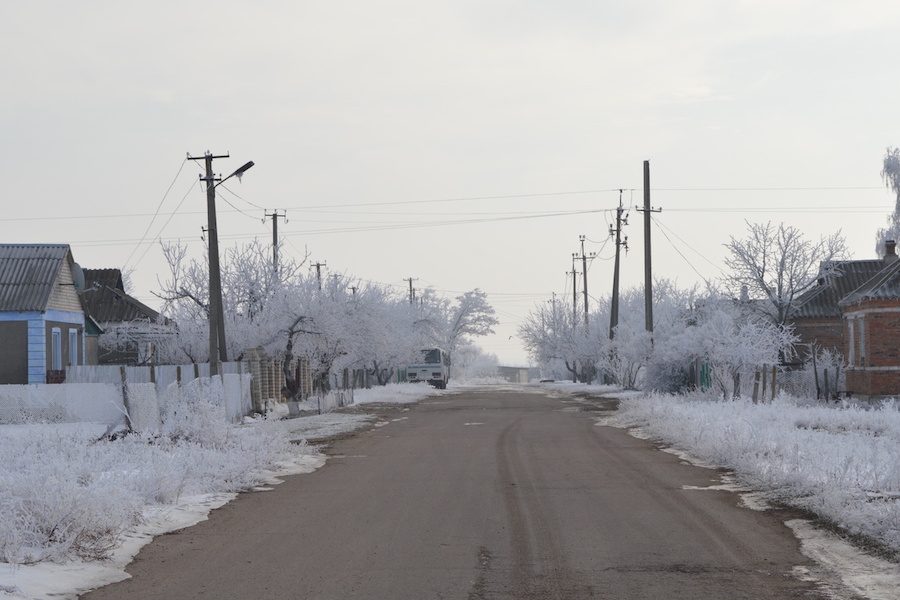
[{"x": 890, "y": 251}]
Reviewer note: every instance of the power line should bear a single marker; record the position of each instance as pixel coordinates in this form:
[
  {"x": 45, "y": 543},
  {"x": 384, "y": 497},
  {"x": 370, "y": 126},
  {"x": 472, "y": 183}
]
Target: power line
[
  {"x": 239, "y": 197},
  {"x": 700, "y": 254},
  {"x": 412, "y": 225},
  {"x": 816, "y": 188},
  {"x": 680, "y": 253},
  {"x": 155, "y": 213},
  {"x": 159, "y": 233},
  {"x": 225, "y": 200}
]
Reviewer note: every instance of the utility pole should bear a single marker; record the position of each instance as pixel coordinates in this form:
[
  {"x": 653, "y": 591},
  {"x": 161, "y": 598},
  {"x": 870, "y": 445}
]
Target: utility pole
[
  {"x": 574, "y": 273},
  {"x": 217, "y": 347},
  {"x": 648, "y": 267},
  {"x": 353, "y": 289},
  {"x": 275, "y": 215},
  {"x": 318, "y": 266},
  {"x": 584, "y": 257},
  {"x": 412, "y": 292},
  {"x": 620, "y": 243}
]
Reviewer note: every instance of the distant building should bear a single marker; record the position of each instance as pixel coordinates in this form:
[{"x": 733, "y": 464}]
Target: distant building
[
  {"x": 133, "y": 327},
  {"x": 513, "y": 374},
  {"x": 872, "y": 333},
  {"x": 854, "y": 310},
  {"x": 817, "y": 318},
  {"x": 42, "y": 320}
]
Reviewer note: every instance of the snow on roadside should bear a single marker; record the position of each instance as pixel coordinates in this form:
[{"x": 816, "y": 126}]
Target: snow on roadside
[
  {"x": 569, "y": 387},
  {"x": 76, "y": 507},
  {"x": 840, "y": 463},
  {"x": 397, "y": 393},
  {"x": 319, "y": 427}
]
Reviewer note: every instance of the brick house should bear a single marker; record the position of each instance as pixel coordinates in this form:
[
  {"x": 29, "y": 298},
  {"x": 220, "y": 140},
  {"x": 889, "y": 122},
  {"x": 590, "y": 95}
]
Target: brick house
[
  {"x": 42, "y": 320},
  {"x": 854, "y": 310},
  {"x": 817, "y": 317},
  {"x": 871, "y": 327}
]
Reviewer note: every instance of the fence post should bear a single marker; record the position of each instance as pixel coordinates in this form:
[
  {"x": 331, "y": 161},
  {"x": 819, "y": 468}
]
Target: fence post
[
  {"x": 196, "y": 371},
  {"x": 178, "y": 375},
  {"x": 774, "y": 370},
  {"x": 827, "y": 385},
  {"x": 125, "y": 401},
  {"x": 816, "y": 373},
  {"x": 153, "y": 374},
  {"x": 755, "y": 386}
]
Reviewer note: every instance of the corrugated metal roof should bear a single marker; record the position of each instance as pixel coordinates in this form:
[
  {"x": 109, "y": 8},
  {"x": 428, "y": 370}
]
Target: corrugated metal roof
[
  {"x": 107, "y": 277},
  {"x": 884, "y": 286},
  {"x": 843, "y": 277},
  {"x": 27, "y": 274},
  {"x": 111, "y": 305}
]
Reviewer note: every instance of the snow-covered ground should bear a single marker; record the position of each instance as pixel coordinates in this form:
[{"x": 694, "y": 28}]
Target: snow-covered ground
[
  {"x": 840, "y": 463},
  {"x": 397, "y": 393},
  {"x": 76, "y": 507}
]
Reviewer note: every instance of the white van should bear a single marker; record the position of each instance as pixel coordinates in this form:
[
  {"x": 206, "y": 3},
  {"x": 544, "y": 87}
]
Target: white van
[{"x": 434, "y": 368}]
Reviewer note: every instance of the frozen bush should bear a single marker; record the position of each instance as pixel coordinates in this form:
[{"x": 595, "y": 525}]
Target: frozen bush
[
  {"x": 841, "y": 463},
  {"x": 65, "y": 490}
]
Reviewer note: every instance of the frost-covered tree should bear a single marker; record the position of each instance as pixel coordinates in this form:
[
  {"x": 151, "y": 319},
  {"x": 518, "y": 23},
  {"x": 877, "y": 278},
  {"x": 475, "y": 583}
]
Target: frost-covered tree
[
  {"x": 454, "y": 323},
  {"x": 890, "y": 174},
  {"x": 727, "y": 337},
  {"x": 471, "y": 362},
  {"x": 285, "y": 313},
  {"x": 776, "y": 264}
]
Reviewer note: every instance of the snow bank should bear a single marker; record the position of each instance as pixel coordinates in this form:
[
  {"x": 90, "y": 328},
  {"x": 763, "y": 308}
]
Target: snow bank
[
  {"x": 396, "y": 393},
  {"x": 94, "y": 402},
  {"x": 840, "y": 463},
  {"x": 67, "y": 492},
  {"x": 319, "y": 427},
  {"x": 570, "y": 387}
]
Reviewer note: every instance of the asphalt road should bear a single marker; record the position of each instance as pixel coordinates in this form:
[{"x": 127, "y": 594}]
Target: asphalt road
[{"x": 481, "y": 495}]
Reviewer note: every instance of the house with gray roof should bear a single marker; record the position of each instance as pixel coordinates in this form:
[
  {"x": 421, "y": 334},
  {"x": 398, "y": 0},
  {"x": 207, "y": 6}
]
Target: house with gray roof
[
  {"x": 817, "y": 316},
  {"x": 132, "y": 328},
  {"x": 855, "y": 311},
  {"x": 872, "y": 332},
  {"x": 42, "y": 320}
]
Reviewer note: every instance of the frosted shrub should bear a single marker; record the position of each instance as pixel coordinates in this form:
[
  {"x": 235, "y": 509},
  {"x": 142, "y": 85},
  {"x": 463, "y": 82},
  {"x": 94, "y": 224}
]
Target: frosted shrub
[
  {"x": 841, "y": 463},
  {"x": 66, "y": 492},
  {"x": 195, "y": 412}
]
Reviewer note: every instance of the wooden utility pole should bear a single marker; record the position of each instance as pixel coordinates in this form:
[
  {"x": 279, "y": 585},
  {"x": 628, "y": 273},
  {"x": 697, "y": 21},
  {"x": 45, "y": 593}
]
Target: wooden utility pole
[
  {"x": 217, "y": 347},
  {"x": 412, "y": 292},
  {"x": 574, "y": 274},
  {"x": 648, "y": 258},
  {"x": 620, "y": 243},
  {"x": 275, "y": 215},
  {"x": 584, "y": 258},
  {"x": 318, "y": 266}
]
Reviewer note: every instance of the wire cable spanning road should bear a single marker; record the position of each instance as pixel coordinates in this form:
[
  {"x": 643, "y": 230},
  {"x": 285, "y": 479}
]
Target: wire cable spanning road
[{"x": 484, "y": 494}]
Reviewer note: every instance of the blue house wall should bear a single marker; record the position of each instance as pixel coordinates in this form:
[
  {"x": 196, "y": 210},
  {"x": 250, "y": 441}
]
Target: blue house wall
[{"x": 37, "y": 336}]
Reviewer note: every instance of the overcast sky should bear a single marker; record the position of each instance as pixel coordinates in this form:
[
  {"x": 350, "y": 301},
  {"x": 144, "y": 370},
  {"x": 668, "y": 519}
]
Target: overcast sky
[{"x": 350, "y": 103}]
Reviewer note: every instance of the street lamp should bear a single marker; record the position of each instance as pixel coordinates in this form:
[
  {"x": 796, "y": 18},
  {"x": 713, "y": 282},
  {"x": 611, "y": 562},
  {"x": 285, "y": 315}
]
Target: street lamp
[{"x": 217, "y": 348}]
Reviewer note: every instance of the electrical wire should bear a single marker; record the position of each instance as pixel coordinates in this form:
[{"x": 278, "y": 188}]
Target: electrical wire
[
  {"x": 680, "y": 253},
  {"x": 155, "y": 214},
  {"x": 166, "y": 224},
  {"x": 683, "y": 241}
]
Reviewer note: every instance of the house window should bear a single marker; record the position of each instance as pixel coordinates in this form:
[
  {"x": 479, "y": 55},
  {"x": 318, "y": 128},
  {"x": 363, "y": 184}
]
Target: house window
[
  {"x": 73, "y": 347},
  {"x": 862, "y": 341},
  {"x": 56, "y": 348},
  {"x": 852, "y": 345}
]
